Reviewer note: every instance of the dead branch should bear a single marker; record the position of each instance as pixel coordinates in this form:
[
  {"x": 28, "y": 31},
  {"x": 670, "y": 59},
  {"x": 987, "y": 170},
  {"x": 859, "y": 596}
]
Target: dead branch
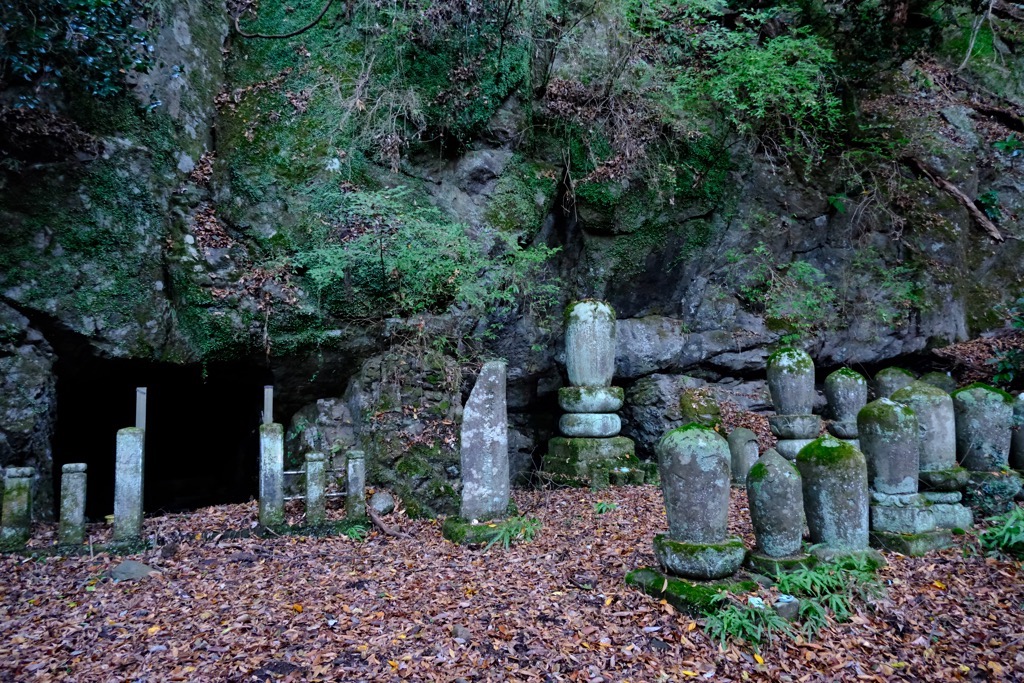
[
  {"x": 327, "y": 6},
  {"x": 957, "y": 194},
  {"x": 379, "y": 523}
]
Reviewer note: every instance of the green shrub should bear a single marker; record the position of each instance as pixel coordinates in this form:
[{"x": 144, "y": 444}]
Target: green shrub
[
  {"x": 754, "y": 623},
  {"x": 88, "y": 45},
  {"x": 1006, "y": 535}
]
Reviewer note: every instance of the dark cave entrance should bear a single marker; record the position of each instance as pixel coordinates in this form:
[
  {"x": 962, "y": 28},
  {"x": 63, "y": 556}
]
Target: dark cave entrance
[{"x": 202, "y": 442}]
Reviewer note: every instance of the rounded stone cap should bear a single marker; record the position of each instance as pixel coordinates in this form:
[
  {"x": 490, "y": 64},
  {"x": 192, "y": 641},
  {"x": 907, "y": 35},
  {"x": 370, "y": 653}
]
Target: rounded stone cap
[
  {"x": 356, "y": 455},
  {"x": 693, "y": 435},
  {"x": 741, "y": 435},
  {"x": 315, "y": 457},
  {"x": 979, "y": 391},
  {"x": 788, "y": 360},
  {"x": 73, "y": 467},
  {"x": 828, "y": 450},
  {"x": 588, "y": 310},
  {"x": 922, "y": 392},
  {"x": 20, "y": 472},
  {"x": 846, "y": 376},
  {"x": 939, "y": 380},
  {"x": 885, "y": 415}
]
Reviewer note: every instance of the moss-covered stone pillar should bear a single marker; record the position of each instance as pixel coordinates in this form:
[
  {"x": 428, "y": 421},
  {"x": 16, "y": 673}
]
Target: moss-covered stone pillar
[
  {"x": 791, "y": 384},
  {"x": 775, "y": 496},
  {"x": 984, "y": 432},
  {"x": 590, "y": 450},
  {"x": 355, "y": 494},
  {"x": 694, "y": 464},
  {"x": 72, "y": 504},
  {"x": 17, "y": 506},
  {"x": 271, "y": 474},
  {"x": 128, "y": 484},
  {"x": 901, "y": 520},
  {"x": 940, "y": 477},
  {"x": 835, "y": 488},
  {"x": 890, "y": 380},
  {"x": 743, "y": 451},
  {"x": 316, "y": 486},
  {"x": 847, "y": 392}
]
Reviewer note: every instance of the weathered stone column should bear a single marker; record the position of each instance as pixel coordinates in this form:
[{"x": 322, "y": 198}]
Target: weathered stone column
[
  {"x": 835, "y": 487},
  {"x": 484, "y": 447},
  {"x": 271, "y": 474},
  {"x": 128, "y": 484},
  {"x": 791, "y": 384},
  {"x": 694, "y": 464},
  {"x": 72, "y": 504},
  {"x": 984, "y": 432},
  {"x": 355, "y": 494},
  {"x": 939, "y": 380},
  {"x": 316, "y": 485},
  {"x": 590, "y": 344},
  {"x": 17, "y": 506},
  {"x": 775, "y": 496},
  {"x": 901, "y": 520},
  {"x": 889, "y": 441},
  {"x": 590, "y": 450},
  {"x": 847, "y": 392},
  {"x": 889, "y": 381},
  {"x": 940, "y": 476},
  {"x": 743, "y": 450}
]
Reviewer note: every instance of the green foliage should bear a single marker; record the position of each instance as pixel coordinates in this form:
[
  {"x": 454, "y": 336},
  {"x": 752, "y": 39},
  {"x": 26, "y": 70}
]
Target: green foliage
[
  {"x": 603, "y": 506},
  {"x": 794, "y": 297},
  {"x": 88, "y": 45},
  {"x": 754, "y": 623},
  {"x": 514, "y": 530},
  {"x": 1006, "y": 535},
  {"x": 1009, "y": 363},
  {"x": 989, "y": 203},
  {"x": 829, "y": 590},
  {"x": 389, "y": 255},
  {"x": 357, "y": 531}
]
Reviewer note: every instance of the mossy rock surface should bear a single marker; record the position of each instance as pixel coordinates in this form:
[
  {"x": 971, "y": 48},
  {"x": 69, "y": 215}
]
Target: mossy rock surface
[
  {"x": 912, "y": 545},
  {"x": 828, "y": 450},
  {"x": 1006, "y": 396},
  {"x": 702, "y": 561},
  {"x": 694, "y": 598},
  {"x": 773, "y": 566}
]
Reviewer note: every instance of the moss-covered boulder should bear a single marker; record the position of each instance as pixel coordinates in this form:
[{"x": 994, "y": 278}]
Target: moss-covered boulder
[
  {"x": 835, "y": 488},
  {"x": 700, "y": 407}
]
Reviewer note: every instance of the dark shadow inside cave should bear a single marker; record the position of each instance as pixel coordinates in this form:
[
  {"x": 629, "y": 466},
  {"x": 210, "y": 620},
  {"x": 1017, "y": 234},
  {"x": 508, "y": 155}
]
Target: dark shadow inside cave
[{"x": 201, "y": 429}]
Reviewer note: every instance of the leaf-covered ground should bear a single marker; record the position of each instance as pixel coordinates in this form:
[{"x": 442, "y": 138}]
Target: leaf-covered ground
[{"x": 422, "y": 609}]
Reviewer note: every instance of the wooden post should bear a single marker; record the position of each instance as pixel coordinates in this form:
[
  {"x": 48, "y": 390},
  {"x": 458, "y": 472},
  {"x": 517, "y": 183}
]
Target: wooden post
[
  {"x": 268, "y": 405},
  {"x": 140, "y": 408}
]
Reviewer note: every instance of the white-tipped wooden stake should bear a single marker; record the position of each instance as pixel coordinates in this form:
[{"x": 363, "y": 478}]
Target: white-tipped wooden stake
[
  {"x": 140, "y": 408},
  {"x": 268, "y": 405}
]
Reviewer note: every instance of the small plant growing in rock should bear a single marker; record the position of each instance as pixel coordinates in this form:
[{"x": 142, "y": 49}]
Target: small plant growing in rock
[
  {"x": 1006, "y": 536},
  {"x": 603, "y": 506}
]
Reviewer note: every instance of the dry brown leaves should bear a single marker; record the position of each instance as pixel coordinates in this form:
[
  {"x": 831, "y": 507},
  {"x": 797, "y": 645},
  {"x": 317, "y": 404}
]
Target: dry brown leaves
[
  {"x": 310, "y": 609},
  {"x": 973, "y": 359}
]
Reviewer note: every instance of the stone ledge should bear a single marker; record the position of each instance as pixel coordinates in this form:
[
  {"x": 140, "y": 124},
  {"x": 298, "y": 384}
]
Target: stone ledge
[
  {"x": 773, "y": 566},
  {"x": 913, "y": 545},
  {"x": 702, "y": 561}
]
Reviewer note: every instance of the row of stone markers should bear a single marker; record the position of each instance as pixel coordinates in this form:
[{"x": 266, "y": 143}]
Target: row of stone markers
[
  {"x": 271, "y": 504},
  {"x": 855, "y": 487}
]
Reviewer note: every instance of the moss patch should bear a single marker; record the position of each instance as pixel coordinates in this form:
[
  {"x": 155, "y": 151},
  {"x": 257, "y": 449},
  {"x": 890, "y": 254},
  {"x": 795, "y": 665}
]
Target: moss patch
[
  {"x": 1007, "y": 397},
  {"x": 689, "y": 597},
  {"x": 828, "y": 450}
]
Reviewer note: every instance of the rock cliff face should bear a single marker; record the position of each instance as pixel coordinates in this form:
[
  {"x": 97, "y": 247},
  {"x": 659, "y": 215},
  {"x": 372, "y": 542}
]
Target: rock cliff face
[{"x": 189, "y": 235}]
